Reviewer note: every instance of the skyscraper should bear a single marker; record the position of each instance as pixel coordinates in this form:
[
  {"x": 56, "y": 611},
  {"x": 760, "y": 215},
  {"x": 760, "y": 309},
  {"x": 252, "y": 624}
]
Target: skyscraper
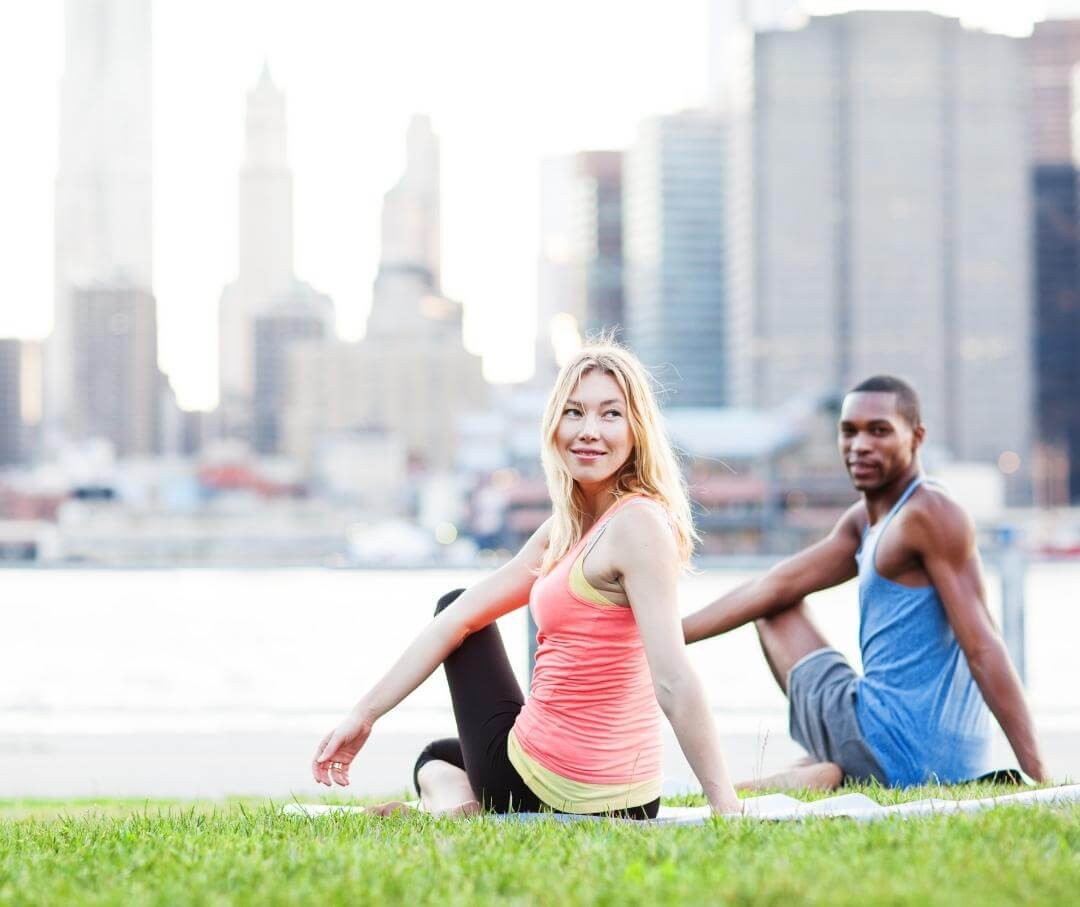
[
  {"x": 580, "y": 273},
  {"x": 410, "y": 259},
  {"x": 556, "y": 304},
  {"x": 1054, "y": 54},
  {"x": 598, "y": 237},
  {"x": 732, "y": 25},
  {"x": 265, "y": 276},
  {"x": 103, "y": 225},
  {"x": 891, "y": 220},
  {"x": 119, "y": 389},
  {"x": 11, "y": 395},
  {"x": 677, "y": 310}
]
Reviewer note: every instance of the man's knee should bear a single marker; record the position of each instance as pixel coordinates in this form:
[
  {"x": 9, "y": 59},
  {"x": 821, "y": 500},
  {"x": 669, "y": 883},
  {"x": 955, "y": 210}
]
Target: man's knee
[
  {"x": 776, "y": 621},
  {"x": 446, "y": 600}
]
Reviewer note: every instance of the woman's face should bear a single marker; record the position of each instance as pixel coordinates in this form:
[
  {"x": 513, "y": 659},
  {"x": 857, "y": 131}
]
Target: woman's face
[{"x": 593, "y": 436}]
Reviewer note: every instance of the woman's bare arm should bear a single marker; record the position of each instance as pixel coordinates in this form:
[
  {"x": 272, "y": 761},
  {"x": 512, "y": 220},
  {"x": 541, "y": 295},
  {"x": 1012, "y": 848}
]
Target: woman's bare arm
[
  {"x": 495, "y": 595},
  {"x": 644, "y": 555}
]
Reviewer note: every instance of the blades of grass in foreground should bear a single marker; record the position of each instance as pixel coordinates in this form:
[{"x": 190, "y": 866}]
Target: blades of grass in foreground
[{"x": 246, "y": 852}]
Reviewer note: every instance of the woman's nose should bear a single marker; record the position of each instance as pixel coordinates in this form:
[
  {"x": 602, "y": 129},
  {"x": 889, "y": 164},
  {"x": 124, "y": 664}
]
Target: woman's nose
[{"x": 589, "y": 427}]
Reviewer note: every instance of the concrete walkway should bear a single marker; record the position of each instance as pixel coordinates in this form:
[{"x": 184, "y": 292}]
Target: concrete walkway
[{"x": 275, "y": 763}]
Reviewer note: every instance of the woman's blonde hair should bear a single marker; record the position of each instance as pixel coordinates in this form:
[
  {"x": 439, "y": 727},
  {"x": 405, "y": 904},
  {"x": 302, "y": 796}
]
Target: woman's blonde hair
[{"x": 652, "y": 468}]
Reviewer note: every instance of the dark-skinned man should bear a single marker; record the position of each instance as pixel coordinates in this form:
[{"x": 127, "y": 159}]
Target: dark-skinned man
[{"x": 933, "y": 659}]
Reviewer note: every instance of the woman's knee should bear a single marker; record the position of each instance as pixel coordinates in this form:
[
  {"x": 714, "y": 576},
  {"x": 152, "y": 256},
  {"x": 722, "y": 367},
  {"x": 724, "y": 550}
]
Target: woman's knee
[
  {"x": 446, "y": 600},
  {"x": 446, "y": 750}
]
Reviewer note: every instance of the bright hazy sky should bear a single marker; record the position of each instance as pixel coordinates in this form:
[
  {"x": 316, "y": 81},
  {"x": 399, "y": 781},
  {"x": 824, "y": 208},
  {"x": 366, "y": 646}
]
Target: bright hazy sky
[{"x": 505, "y": 84}]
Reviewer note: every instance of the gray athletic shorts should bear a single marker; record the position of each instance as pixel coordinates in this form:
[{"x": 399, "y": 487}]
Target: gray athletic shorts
[{"x": 821, "y": 714}]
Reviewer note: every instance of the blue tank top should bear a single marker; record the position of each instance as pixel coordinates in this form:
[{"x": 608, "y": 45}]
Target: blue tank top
[{"x": 919, "y": 708}]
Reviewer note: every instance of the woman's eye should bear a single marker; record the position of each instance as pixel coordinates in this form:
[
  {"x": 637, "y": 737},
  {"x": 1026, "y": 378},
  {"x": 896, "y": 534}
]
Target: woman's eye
[
  {"x": 570, "y": 411},
  {"x": 612, "y": 412}
]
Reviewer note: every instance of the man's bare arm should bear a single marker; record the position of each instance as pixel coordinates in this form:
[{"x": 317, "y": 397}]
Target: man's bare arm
[
  {"x": 944, "y": 537},
  {"x": 821, "y": 566}
]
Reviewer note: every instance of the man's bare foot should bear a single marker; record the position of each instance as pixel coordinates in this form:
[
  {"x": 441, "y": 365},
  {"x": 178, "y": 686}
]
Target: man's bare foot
[{"x": 806, "y": 775}]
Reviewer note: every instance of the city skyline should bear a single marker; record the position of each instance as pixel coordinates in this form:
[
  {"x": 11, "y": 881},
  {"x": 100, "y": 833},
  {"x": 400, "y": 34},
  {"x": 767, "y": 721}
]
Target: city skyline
[{"x": 346, "y": 144}]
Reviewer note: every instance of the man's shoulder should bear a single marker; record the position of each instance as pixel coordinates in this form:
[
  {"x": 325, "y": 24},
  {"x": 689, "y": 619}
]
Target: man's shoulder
[
  {"x": 853, "y": 521},
  {"x": 933, "y": 514}
]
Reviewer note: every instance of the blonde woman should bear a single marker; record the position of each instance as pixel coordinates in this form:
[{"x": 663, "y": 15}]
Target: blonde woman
[{"x": 600, "y": 577}]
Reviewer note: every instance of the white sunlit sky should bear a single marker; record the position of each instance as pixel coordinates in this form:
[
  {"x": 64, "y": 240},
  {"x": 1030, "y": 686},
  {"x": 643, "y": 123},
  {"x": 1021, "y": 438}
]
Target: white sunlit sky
[{"x": 505, "y": 84}]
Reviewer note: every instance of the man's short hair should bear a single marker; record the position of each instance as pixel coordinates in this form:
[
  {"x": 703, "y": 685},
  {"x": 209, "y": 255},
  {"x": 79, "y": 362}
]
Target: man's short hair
[{"x": 907, "y": 401}]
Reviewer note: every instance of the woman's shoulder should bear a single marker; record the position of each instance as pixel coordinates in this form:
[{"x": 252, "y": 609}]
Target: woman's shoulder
[
  {"x": 643, "y": 506},
  {"x": 642, "y": 520}
]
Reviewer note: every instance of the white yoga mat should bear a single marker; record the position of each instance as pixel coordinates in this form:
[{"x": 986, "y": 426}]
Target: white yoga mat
[{"x": 782, "y": 808}]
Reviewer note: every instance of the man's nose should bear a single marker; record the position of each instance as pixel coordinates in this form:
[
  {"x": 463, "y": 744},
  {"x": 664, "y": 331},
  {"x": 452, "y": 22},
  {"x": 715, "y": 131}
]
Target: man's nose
[{"x": 860, "y": 442}]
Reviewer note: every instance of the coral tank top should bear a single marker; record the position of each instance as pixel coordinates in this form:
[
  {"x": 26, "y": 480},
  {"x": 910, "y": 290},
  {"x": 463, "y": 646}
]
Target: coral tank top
[{"x": 588, "y": 737}]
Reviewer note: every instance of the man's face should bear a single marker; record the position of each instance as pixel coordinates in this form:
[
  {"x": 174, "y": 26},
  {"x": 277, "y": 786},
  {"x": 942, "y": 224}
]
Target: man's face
[{"x": 877, "y": 442}]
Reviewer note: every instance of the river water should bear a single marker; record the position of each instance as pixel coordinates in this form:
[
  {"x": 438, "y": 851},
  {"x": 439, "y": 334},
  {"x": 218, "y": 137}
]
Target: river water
[
  {"x": 103, "y": 654},
  {"x": 122, "y": 649}
]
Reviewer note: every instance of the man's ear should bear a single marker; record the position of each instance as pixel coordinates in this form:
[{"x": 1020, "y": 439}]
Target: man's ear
[{"x": 918, "y": 435}]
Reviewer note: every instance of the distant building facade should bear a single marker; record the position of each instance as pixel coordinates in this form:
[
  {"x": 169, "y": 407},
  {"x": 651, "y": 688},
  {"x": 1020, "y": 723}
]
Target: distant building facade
[
  {"x": 891, "y": 221},
  {"x": 1054, "y": 55},
  {"x": 119, "y": 388},
  {"x": 415, "y": 391},
  {"x": 678, "y": 313},
  {"x": 275, "y": 331}
]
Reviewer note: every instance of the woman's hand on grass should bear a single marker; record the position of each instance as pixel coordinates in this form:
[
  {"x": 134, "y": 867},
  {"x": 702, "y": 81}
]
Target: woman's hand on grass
[{"x": 337, "y": 749}]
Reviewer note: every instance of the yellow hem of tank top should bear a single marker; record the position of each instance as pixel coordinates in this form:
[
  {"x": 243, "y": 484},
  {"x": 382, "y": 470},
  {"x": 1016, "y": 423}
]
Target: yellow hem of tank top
[{"x": 572, "y": 796}]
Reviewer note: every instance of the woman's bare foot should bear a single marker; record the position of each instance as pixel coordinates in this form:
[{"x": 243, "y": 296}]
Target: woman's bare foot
[
  {"x": 398, "y": 808},
  {"x": 445, "y": 790},
  {"x": 391, "y": 808}
]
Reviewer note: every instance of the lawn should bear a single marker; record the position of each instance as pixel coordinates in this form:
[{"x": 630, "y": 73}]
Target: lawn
[{"x": 161, "y": 852}]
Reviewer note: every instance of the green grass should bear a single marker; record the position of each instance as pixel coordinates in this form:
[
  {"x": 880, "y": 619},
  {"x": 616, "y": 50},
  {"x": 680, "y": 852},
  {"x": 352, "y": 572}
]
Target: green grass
[{"x": 243, "y": 851}]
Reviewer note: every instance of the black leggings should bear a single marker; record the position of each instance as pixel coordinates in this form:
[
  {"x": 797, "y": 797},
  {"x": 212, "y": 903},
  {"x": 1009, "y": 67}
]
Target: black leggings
[{"x": 486, "y": 699}]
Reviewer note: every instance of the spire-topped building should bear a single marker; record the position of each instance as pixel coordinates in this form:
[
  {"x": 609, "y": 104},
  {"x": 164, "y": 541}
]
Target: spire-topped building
[
  {"x": 265, "y": 211},
  {"x": 265, "y": 279},
  {"x": 409, "y": 276},
  {"x": 411, "y": 376},
  {"x": 411, "y": 212},
  {"x": 103, "y": 226}
]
